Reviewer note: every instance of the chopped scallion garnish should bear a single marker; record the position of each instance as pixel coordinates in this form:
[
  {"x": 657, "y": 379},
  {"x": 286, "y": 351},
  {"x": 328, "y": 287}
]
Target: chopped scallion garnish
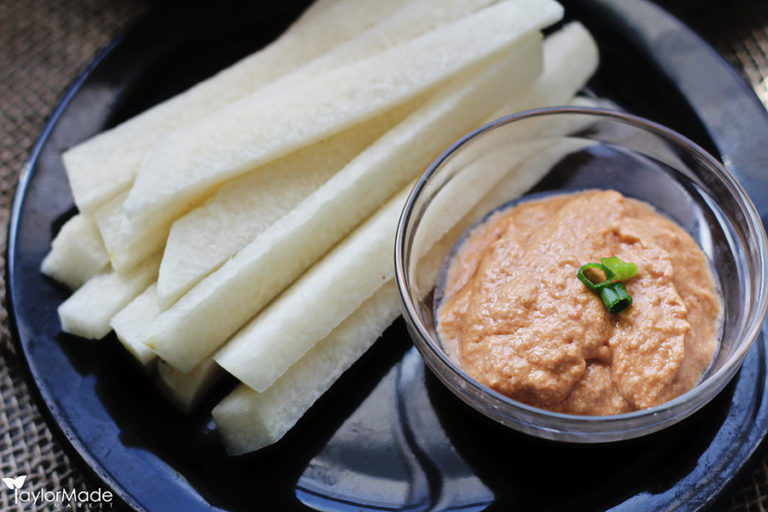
[
  {"x": 607, "y": 272},
  {"x": 615, "y": 297},
  {"x": 622, "y": 269},
  {"x": 613, "y": 294}
]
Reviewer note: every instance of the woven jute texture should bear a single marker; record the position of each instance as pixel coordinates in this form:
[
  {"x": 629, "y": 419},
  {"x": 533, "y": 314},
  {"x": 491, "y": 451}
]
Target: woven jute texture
[{"x": 45, "y": 43}]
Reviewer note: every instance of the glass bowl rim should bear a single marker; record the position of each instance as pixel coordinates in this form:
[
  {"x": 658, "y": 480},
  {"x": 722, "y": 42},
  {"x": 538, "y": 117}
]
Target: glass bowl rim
[{"x": 714, "y": 382}]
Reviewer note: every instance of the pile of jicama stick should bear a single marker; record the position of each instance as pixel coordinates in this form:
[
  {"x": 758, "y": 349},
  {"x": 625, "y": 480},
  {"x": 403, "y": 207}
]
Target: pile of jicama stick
[{"x": 248, "y": 223}]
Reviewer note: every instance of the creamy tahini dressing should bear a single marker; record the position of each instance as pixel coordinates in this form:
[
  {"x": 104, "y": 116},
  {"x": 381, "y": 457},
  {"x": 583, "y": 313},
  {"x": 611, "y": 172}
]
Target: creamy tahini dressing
[{"x": 517, "y": 319}]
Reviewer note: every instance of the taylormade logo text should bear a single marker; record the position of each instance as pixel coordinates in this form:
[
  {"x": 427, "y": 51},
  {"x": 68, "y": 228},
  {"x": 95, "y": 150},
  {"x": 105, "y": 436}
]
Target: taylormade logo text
[{"x": 70, "y": 499}]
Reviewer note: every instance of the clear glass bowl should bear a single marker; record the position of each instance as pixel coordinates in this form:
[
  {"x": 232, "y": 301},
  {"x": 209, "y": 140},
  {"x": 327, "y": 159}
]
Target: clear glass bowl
[{"x": 570, "y": 149}]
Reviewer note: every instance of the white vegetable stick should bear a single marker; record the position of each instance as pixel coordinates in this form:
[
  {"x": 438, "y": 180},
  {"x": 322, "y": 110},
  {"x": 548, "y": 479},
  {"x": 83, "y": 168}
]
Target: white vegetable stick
[
  {"x": 106, "y": 164},
  {"x": 187, "y": 389},
  {"x": 348, "y": 197},
  {"x": 191, "y": 161},
  {"x": 217, "y": 239},
  {"x": 183, "y": 389},
  {"x": 335, "y": 286},
  {"x": 557, "y": 84},
  {"x": 256, "y": 357},
  {"x": 77, "y": 253},
  {"x": 246, "y": 205},
  {"x": 248, "y": 420},
  {"x": 527, "y": 168},
  {"x": 570, "y": 59},
  {"x": 124, "y": 254},
  {"x": 88, "y": 311},
  {"x": 413, "y": 19},
  {"x": 316, "y": 303},
  {"x": 183, "y": 335},
  {"x": 129, "y": 324},
  {"x": 259, "y": 352},
  {"x": 267, "y": 346},
  {"x": 209, "y": 235}
]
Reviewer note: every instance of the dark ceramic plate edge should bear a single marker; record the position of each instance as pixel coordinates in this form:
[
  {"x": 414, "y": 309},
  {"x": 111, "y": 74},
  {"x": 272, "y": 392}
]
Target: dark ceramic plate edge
[{"x": 749, "y": 104}]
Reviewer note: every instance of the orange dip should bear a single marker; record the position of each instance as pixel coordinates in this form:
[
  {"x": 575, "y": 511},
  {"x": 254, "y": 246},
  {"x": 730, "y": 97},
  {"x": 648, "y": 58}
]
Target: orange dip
[{"x": 516, "y": 318}]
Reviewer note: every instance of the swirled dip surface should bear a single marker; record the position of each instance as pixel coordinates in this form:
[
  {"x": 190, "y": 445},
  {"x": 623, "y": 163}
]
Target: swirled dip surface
[{"x": 517, "y": 319}]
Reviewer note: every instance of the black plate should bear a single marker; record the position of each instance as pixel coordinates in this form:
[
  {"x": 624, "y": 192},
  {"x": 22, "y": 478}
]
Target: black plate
[{"x": 386, "y": 436}]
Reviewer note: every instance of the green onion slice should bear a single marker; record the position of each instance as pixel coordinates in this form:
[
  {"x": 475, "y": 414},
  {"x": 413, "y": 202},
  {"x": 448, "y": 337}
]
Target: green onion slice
[
  {"x": 615, "y": 298},
  {"x": 623, "y": 270},
  {"x": 613, "y": 294},
  {"x": 610, "y": 276}
]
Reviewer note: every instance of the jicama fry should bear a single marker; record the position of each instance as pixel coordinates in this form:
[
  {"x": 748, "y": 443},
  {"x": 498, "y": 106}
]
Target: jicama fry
[
  {"x": 123, "y": 253},
  {"x": 211, "y": 234},
  {"x": 242, "y": 208},
  {"x": 309, "y": 377},
  {"x": 88, "y": 311},
  {"x": 312, "y": 119},
  {"x": 557, "y": 84},
  {"x": 570, "y": 59},
  {"x": 265, "y": 348},
  {"x": 187, "y": 389},
  {"x": 127, "y": 246},
  {"x": 335, "y": 286},
  {"x": 248, "y": 420},
  {"x": 215, "y": 231},
  {"x": 414, "y": 19},
  {"x": 129, "y": 324},
  {"x": 183, "y": 389},
  {"x": 77, "y": 253},
  {"x": 191, "y": 161},
  {"x": 183, "y": 334},
  {"x": 106, "y": 164}
]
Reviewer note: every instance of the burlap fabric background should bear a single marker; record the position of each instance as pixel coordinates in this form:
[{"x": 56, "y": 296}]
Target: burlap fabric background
[{"x": 45, "y": 43}]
